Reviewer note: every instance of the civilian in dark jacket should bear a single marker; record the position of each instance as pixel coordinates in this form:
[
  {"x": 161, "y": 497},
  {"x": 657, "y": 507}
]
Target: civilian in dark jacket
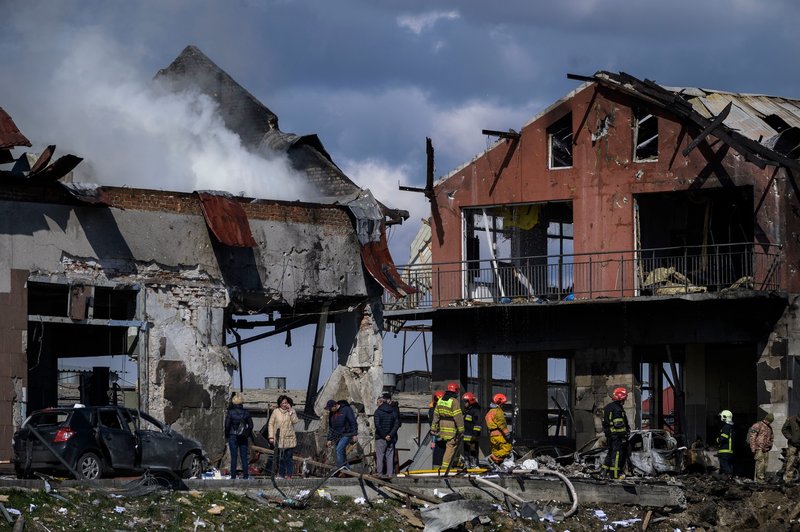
[
  {"x": 342, "y": 428},
  {"x": 791, "y": 431},
  {"x": 387, "y": 423},
  {"x": 238, "y": 428}
]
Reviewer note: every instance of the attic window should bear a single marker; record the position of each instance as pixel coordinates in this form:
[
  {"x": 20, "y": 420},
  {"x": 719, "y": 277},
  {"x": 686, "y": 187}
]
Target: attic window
[
  {"x": 559, "y": 138},
  {"x": 645, "y": 135}
]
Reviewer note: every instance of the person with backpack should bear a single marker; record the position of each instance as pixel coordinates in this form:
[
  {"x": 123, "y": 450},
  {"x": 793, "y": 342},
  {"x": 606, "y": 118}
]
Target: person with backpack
[
  {"x": 499, "y": 433},
  {"x": 760, "y": 438},
  {"x": 281, "y": 434},
  {"x": 238, "y": 428}
]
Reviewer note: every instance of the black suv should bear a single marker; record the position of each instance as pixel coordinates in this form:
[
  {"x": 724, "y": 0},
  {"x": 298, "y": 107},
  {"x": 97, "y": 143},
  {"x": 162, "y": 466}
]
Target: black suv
[{"x": 100, "y": 441}]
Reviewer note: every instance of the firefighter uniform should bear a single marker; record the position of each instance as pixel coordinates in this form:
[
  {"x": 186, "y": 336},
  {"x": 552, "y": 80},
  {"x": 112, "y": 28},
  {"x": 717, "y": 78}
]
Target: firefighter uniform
[
  {"x": 617, "y": 431},
  {"x": 472, "y": 433},
  {"x": 499, "y": 435},
  {"x": 448, "y": 426}
]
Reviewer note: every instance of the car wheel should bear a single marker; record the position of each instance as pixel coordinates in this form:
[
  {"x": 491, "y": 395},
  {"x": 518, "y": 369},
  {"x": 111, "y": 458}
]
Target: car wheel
[
  {"x": 192, "y": 466},
  {"x": 90, "y": 466}
]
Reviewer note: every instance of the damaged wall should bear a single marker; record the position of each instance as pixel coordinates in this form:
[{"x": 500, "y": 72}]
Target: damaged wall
[{"x": 159, "y": 242}]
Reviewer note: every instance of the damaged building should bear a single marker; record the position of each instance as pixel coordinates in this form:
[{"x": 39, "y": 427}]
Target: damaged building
[
  {"x": 161, "y": 276},
  {"x": 631, "y": 235}
]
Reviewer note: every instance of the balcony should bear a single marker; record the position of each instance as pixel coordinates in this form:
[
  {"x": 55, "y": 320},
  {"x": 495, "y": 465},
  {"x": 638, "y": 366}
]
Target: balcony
[{"x": 635, "y": 273}]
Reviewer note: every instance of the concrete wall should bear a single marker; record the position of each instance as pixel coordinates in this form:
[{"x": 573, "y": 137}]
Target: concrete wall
[{"x": 159, "y": 242}]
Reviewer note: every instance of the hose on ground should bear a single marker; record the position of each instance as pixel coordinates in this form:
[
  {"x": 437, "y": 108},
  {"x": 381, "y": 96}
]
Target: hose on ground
[{"x": 570, "y": 488}]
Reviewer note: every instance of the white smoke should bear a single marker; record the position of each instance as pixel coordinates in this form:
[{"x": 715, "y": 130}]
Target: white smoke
[{"x": 95, "y": 102}]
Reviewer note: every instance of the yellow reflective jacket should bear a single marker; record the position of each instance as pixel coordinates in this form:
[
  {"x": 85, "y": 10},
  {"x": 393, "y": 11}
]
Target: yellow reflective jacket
[{"x": 448, "y": 421}]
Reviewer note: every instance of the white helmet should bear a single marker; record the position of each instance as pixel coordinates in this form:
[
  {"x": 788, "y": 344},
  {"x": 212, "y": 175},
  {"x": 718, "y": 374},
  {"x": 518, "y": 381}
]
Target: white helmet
[{"x": 726, "y": 415}]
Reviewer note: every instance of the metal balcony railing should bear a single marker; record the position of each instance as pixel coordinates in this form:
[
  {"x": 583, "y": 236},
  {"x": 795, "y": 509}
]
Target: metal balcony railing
[{"x": 634, "y": 273}]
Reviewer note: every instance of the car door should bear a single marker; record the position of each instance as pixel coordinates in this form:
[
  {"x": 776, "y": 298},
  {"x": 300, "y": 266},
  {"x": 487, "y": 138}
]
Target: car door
[
  {"x": 117, "y": 438},
  {"x": 158, "y": 444}
]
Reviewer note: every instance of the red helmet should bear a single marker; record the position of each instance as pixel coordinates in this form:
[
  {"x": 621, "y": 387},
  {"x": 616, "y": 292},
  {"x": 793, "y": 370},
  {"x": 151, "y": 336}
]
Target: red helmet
[
  {"x": 453, "y": 387},
  {"x": 438, "y": 394},
  {"x": 499, "y": 399},
  {"x": 469, "y": 397},
  {"x": 619, "y": 394}
]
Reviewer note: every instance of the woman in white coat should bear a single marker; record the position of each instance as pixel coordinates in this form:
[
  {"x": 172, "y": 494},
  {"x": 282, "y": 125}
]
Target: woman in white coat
[{"x": 282, "y": 436}]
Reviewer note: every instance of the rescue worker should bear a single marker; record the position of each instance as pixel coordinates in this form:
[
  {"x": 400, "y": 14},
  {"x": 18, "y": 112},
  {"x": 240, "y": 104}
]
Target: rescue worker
[
  {"x": 472, "y": 428},
  {"x": 499, "y": 434},
  {"x": 725, "y": 442},
  {"x": 437, "y": 445},
  {"x": 448, "y": 424},
  {"x": 761, "y": 437},
  {"x": 791, "y": 431},
  {"x": 617, "y": 431}
]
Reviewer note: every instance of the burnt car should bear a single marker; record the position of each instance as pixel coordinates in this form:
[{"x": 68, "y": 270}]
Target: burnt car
[
  {"x": 652, "y": 452},
  {"x": 101, "y": 441}
]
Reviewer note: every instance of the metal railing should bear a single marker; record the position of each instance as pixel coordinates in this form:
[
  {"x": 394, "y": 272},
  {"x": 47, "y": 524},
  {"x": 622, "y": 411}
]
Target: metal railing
[{"x": 633, "y": 273}]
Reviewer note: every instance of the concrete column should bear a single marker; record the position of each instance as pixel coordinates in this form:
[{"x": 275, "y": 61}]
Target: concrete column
[
  {"x": 597, "y": 373},
  {"x": 531, "y": 400},
  {"x": 697, "y": 402},
  {"x": 447, "y": 368},
  {"x": 776, "y": 372},
  {"x": 485, "y": 390}
]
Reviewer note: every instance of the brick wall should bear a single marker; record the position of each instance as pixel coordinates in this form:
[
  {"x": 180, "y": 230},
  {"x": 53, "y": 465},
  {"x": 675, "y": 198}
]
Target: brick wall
[{"x": 188, "y": 203}]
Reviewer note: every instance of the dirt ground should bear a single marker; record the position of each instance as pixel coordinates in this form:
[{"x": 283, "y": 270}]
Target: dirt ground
[{"x": 714, "y": 503}]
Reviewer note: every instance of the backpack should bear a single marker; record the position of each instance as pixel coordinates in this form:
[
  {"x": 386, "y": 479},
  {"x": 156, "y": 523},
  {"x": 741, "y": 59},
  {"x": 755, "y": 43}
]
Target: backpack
[{"x": 240, "y": 428}]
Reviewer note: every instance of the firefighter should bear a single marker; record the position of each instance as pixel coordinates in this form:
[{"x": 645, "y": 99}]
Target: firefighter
[
  {"x": 499, "y": 435},
  {"x": 725, "y": 442},
  {"x": 448, "y": 423},
  {"x": 472, "y": 428},
  {"x": 617, "y": 431},
  {"x": 437, "y": 445}
]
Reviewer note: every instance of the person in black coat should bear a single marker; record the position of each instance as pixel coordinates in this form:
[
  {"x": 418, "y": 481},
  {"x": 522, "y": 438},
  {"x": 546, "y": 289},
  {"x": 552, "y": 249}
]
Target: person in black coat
[
  {"x": 387, "y": 423},
  {"x": 238, "y": 428}
]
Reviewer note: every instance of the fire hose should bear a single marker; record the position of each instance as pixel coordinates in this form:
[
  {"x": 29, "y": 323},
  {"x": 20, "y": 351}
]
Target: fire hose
[{"x": 570, "y": 487}]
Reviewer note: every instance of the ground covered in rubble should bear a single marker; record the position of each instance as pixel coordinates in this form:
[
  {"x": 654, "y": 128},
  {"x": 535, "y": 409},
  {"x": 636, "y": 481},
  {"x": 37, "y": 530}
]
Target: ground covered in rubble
[{"x": 713, "y": 504}]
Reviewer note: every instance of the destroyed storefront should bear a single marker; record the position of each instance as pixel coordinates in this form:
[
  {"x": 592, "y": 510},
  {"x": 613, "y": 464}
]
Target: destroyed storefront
[{"x": 629, "y": 235}]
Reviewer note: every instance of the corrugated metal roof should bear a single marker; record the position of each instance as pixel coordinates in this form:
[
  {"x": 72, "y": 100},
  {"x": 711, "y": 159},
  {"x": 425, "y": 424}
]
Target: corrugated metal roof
[
  {"x": 750, "y": 114},
  {"x": 226, "y": 219}
]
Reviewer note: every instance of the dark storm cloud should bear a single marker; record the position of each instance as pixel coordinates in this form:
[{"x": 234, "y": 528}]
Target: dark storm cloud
[{"x": 374, "y": 78}]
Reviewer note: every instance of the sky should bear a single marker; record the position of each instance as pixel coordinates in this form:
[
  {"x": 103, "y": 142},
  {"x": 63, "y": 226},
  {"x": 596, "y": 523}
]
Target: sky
[{"x": 372, "y": 78}]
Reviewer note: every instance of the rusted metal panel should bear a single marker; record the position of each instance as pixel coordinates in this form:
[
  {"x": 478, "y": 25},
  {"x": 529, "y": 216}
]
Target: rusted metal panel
[
  {"x": 379, "y": 263},
  {"x": 226, "y": 219},
  {"x": 10, "y": 135}
]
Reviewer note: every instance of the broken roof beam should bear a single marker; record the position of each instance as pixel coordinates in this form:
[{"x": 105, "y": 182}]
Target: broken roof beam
[
  {"x": 708, "y": 130},
  {"x": 655, "y": 94},
  {"x": 510, "y": 134}
]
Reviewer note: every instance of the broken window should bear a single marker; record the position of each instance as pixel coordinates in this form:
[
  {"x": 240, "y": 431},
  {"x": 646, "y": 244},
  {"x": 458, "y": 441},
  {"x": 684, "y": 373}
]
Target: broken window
[
  {"x": 560, "y": 258},
  {"x": 645, "y": 135},
  {"x": 657, "y": 381},
  {"x": 559, "y": 139},
  {"x": 559, "y": 418},
  {"x": 518, "y": 251},
  {"x": 695, "y": 241}
]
